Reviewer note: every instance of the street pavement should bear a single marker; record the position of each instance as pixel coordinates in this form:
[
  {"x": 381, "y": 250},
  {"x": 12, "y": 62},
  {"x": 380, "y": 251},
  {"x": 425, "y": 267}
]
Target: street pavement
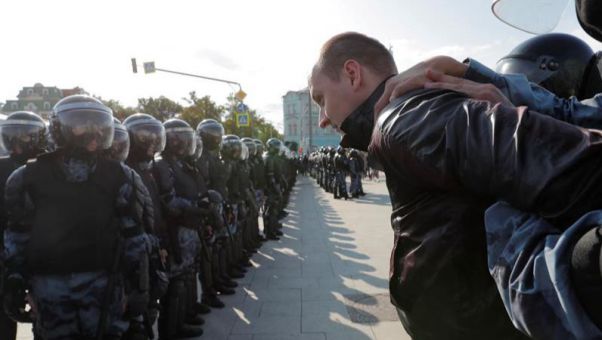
[{"x": 326, "y": 279}]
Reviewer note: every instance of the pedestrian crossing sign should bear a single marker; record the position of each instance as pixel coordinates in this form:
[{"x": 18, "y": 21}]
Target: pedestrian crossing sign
[{"x": 243, "y": 119}]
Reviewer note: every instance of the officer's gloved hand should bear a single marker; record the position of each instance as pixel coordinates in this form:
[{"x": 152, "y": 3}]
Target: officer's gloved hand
[
  {"x": 137, "y": 303},
  {"x": 15, "y": 303}
]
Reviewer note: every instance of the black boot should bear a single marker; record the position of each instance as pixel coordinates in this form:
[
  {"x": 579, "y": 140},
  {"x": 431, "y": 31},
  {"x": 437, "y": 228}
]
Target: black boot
[
  {"x": 202, "y": 308},
  {"x": 195, "y": 320},
  {"x": 213, "y": 301},
  {"x": 225, "y": 290},
  {"x": 189, "y": 331}
]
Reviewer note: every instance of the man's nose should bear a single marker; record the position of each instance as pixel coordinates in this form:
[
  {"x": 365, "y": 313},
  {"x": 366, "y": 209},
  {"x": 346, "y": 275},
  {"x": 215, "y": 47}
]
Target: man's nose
[{"x": 324, "y": 121}]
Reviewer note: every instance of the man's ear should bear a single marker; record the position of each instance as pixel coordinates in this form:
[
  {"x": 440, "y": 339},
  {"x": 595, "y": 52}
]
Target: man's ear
[{"x": 352, "y": 72}]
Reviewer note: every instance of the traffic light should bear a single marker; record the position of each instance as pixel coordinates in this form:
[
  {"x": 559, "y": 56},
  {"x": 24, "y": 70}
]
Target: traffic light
[{"x": 134, "y": 66}]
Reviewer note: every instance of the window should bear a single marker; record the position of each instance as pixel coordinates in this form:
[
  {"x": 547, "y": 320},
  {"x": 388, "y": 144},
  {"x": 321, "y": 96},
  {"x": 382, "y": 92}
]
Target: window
[
  {"x": 14, "y": 106},
  {"x": 29, "y": 92},
  {"x": 46, "y": 104},
  {"x": 45, "y": 93}
]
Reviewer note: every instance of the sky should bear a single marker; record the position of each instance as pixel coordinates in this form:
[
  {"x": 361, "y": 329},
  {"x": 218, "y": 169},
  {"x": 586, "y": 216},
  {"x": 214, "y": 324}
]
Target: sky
[{"x": 267, "y": 46}]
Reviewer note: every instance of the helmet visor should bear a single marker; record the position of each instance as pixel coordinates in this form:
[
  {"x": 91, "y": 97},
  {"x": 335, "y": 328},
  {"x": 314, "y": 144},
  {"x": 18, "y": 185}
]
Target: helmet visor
[
  {"x": 532, "y": 16},
  {"x": 148, "y": 136},
  {"x": 88, "y": 129},
  {"x": 121, "y": 146},
  {"x": 536, "y": 70},
  {"x": 181, "y": 141},
  {"x": 22, "y": 136}
]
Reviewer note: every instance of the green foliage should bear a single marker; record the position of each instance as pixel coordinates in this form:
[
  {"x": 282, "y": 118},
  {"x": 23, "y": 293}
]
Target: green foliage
[
  {"x": 201, "y": 108},
  {"x": 161, "y": 108},
  {"x": 119, "y": 111}
]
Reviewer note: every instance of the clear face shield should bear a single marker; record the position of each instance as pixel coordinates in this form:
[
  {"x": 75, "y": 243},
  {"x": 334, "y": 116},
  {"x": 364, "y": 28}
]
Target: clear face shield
[
  {"x": 181, "y": 141},
  {"x": 120, "y": 147},
  {"x": 148, "y": 137},
  {"x": 22, "y": 136},
  {"x": 532, "y": 16},
  {"x": 91, "y": 130}
]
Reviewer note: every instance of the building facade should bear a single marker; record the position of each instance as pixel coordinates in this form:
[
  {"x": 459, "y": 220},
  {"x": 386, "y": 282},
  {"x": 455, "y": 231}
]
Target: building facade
[
  {"x": 39, "y": 99},
  {"x": 298, "y": 125}
]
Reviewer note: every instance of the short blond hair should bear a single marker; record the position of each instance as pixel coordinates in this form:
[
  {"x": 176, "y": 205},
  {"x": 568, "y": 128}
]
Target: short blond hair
[{"x": 369, "y": 52}]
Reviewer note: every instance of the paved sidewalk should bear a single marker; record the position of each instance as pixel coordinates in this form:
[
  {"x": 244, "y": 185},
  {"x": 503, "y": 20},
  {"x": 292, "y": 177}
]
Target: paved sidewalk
[{"x": 326, "y": 279}]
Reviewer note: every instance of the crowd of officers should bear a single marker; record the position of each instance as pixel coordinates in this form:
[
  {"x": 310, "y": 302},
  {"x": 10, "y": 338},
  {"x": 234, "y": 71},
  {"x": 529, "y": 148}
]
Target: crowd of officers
[
  {"x": 331, "y": 165},
  {"x": 108, "y": 225}
]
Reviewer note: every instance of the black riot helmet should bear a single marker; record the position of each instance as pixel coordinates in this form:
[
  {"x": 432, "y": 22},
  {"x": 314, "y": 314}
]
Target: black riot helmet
[
  {"x": 147, "y": 136},
  {"x": 353, "y": 153},
  {"x": 340, "y": 150},
  {"x": 231, "y": 147},
  {"x": 211, "y": 132},
  {"x": 561, "y": 63},
  {"x": 250, "y": 143},
  {"x": 23, "y": 134},
  {"x": 259, "y": 146},
  {"x": 589, "y": 14},
  {"x": 274, "y": 146},
  {"x": 121, "y": 143},
  {"x": 81, "y": 124},
  {"x": 180, "y": 138}
]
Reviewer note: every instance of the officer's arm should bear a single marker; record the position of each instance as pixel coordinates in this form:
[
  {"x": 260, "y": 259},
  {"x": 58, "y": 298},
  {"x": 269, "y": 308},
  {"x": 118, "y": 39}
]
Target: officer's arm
[
  {"x": 19, "y": 208},
  {"x": 143, "y": 200},
  {"x": 521, "y": 92},
  {"x": 529, "y": 260},
  {"x": 174, "y": 205},
  {"x": 532, "y": 161},
  {"x": 130, "y": 213}
]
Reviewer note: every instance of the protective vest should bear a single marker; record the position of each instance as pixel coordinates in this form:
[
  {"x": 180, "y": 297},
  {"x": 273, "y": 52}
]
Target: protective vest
[{"x": 74, "y": 225}]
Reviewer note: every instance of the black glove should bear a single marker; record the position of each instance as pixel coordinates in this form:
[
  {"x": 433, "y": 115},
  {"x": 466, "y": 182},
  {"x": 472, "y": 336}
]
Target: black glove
[{"x": 15, "y": 291}]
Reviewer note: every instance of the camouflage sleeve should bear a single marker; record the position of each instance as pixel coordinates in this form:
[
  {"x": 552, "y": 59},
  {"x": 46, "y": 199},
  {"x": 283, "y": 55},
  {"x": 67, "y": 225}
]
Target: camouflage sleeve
[
  {"x": 130, "y": 207},
  {"x": 529, "y": 260},
  {"x": 520, "y": 91},
  {"x": 174, "y": 204},
  {"x": 19, "y": 208}
]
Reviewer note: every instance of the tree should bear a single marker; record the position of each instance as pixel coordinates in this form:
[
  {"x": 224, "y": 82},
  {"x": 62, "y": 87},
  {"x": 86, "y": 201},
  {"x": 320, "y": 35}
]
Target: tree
[
  {"x": 161, "y": 108},
  {"x": 201, "y": 108},
  {"x": 119, "y": 111}
]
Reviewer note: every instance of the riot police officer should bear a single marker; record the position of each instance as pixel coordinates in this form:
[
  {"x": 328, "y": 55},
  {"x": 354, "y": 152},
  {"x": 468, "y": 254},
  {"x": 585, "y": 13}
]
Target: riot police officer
[
  {"x": 77, "y": 213},
  {"x": 214, "y": 171},
  {"x": 146, "y": 139},
  {"x": 120, "y": 146},
  {"x": 273, "y": 189},
  {"x": 248, "y": 180},
  {"x": 355, "y": 171},
  {"x": 236, "y": 210},
  {"x": 23, "y": 137},
  {"x": 179, "y": 189},
  {"x": 340, "y": 167}
]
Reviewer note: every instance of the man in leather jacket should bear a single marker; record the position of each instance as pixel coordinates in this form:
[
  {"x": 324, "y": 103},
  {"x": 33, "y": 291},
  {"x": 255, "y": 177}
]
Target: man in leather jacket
[{"x": 447, "y": 158}]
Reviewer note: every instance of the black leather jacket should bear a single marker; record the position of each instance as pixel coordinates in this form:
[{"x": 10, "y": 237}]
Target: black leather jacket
[{"x": 446, "y": 159}]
